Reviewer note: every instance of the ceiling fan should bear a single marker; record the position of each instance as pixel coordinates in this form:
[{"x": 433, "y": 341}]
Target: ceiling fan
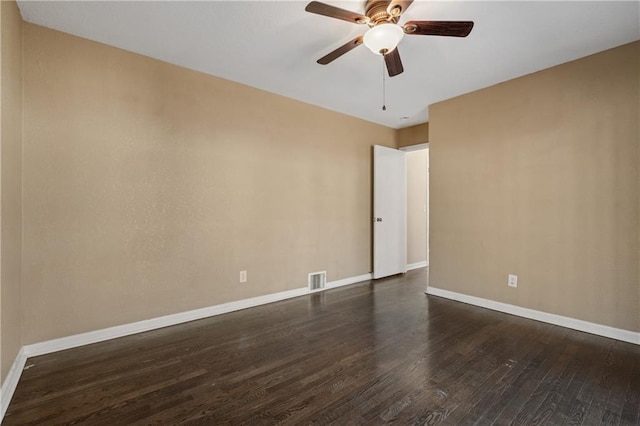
[{"x": 384, "y": 33}]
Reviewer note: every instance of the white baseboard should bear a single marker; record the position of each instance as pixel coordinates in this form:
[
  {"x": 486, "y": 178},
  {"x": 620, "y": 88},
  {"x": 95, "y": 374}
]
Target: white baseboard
[
  {"x": 348, "y": 281},
  {"x": 174, "y": 319},
  {"x": 155, "y": 323},
  {"x": 575, "y": 324},
  {"x": 42, "y": 348},
  {"x": 417, "y": 265},
  {"x": 11, "y": 382}
]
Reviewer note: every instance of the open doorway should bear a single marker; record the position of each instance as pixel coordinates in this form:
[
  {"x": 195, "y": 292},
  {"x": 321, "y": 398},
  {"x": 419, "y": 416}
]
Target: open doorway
[{"x": 417, "y": 206}]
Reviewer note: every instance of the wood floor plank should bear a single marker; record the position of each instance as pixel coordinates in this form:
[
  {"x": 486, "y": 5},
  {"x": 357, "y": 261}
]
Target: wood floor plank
[
  {"x": 612, "y": 380},
  {"x": 524, "y": 392},
  {"x": 631, "y": 410},
  {"x": 373, "y": 353}
]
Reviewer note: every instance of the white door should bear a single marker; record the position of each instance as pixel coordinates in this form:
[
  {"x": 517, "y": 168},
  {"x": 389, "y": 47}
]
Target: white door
[{"x": 389, "y": 212}]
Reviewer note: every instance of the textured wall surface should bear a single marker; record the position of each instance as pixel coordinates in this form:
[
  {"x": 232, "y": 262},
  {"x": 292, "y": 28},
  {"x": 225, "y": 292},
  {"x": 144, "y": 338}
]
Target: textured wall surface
[
  {"x": 11, "y": 180},
  {"x": 414, "y": 135},
  {"x": 148, "y": 187},
  {"x": 538, "y": 177}
]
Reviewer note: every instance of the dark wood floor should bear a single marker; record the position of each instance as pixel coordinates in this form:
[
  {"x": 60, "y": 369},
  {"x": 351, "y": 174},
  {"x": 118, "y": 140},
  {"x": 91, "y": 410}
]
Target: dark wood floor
[{"x": 364, "y": 354}]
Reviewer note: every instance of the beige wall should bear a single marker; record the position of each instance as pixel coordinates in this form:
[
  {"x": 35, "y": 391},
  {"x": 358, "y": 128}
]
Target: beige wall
[
  {"x": 148, "y": 187},
  {"x": 414, "y": 135},
  {"x": 417, "y": 163},
  {"x": 11, "y": 184},
  {"x": 539, "y": 177}
]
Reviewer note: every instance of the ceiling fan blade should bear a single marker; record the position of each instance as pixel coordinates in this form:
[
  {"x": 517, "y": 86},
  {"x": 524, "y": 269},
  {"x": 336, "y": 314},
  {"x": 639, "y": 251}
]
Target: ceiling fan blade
[
  {"x": 330, "y": 57},
  {"x": 335, "y": 12},
  {"x": 439, "y": 28},
  {"x": 394, "y": 64},
  {"x": 398, "y": 7}
]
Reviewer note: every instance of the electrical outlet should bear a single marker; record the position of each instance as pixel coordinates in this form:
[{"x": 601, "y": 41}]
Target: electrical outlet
[
  {"x": 512, "y": 281},
  {"x": 243, "y": 276}
]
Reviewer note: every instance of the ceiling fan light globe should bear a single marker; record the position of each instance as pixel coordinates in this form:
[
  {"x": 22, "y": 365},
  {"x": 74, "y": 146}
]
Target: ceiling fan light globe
[{"x": 383, "y": 38}]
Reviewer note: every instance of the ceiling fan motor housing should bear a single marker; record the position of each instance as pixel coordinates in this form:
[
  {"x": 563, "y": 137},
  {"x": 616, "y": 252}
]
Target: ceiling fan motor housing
[{"x": 376, "y": 11}]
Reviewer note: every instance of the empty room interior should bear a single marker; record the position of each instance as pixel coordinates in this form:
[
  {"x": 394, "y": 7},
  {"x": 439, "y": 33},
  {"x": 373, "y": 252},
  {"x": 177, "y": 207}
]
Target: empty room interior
[{"x": 231, "y": 212}]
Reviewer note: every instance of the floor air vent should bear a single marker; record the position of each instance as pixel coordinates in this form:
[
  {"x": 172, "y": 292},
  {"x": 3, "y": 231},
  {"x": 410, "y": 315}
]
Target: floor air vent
[{"x": 317, "y": 280}]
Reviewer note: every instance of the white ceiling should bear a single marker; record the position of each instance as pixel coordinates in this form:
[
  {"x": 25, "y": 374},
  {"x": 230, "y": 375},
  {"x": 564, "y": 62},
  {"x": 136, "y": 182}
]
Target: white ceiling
[{"x": 274, "y": 45}]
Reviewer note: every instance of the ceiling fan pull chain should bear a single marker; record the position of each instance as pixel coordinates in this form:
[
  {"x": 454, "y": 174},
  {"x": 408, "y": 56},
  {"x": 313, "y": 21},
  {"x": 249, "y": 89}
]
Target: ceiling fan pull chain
[{"x": 384, "y": 91}]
